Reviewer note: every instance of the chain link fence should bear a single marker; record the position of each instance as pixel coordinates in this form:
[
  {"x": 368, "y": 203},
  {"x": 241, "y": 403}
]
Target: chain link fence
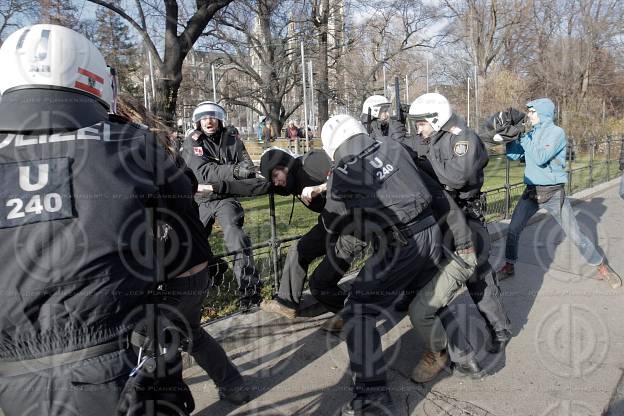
[{"x": 280, "y": 221}]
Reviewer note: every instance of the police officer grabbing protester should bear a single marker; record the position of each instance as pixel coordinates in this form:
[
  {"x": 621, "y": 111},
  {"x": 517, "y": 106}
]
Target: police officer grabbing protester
[
  {"x": 216, "y": 153},
  {"x": 449, "y": 151},
  {"x": 375, "y": 193},
  {"x": 83, "y": 194}
]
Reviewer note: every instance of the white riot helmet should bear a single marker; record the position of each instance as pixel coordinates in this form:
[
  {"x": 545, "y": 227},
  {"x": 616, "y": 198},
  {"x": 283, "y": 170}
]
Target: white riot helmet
[
  {"x": 377, "y": 104},
  {"x": 337, "y": 130},
  {"x": 54, "y": 56},
  {"x": 431, "y": 107},
  {"x": 208, "y": 109},
  {"x": 52, "y": 79}
]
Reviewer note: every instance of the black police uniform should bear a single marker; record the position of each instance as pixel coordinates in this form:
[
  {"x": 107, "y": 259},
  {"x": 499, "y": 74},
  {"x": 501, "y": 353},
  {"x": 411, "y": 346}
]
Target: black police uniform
[
  {"x": 457, "y": 158},
  {"x": 223, "y": 157},
  {"x": 75, "y": 275},
  {"x": 308, "y": 170},
  {"x": 375, "y": 192}
]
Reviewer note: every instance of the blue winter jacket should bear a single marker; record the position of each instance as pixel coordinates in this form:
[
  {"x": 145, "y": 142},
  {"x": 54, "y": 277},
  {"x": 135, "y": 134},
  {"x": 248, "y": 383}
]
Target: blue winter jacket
[{"x": 544, "y": 148}]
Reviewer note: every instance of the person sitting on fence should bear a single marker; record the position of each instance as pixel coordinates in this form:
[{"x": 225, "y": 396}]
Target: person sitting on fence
[
  {"x": 293, "y": 132},
  {"x": 544, "y": 149}
]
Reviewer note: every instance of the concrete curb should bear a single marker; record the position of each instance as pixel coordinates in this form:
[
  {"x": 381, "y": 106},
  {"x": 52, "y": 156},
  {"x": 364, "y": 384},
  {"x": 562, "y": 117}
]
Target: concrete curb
[{"x": 237, "y": 330}]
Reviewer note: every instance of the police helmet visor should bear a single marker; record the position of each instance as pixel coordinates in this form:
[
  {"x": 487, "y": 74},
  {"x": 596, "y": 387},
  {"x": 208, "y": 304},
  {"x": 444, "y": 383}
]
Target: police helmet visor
[
  {"x": 208, "y": 114},
  {"x": 413, "y": 119},
  {"x": 383, "y": 107}
]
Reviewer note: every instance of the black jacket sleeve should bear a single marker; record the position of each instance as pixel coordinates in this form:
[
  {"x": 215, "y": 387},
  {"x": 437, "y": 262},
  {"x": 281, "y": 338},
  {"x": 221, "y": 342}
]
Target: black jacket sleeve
[
  {"x": 243, "y": 187},
  {"x": 622, "y": 155},
  {"x": 396, "y": 130}
]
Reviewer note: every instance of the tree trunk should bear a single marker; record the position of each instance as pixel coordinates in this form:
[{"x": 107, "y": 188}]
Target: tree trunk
[{"x": 323, "y": 70}]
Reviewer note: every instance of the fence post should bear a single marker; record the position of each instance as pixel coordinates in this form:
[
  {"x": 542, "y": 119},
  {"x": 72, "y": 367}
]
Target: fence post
[
  {"x": 507, "y": 188},
  {"x": 570, "y": 160},
  {"x": 608, "y": 158},
  {"x": 590, "y": 181},
  {"x": 274, "y": 241}
]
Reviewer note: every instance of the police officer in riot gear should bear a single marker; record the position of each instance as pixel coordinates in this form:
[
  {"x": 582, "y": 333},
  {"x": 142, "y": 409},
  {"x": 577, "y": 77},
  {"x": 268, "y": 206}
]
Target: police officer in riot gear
[
  {"x": 368, "y": 197},
  {"x": 380, "y": 124},
  {"x": 77, "y": 188},
  {"x": 216, "y": 153},
  {"x": 450, "y": 151}
]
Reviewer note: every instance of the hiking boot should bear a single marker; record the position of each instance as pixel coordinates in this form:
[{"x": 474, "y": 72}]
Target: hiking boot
[
  {"x": 237, "y": 395},
  {"x": 505, "y": 272},
  {"x": 371, "y": 404},
  {"x": 470, "y": 368},
  {"x": 429, "y": 366},
  {"x": 606, "y": 273},
  {"x": 333, "y": 324},
  {"x": 274, "y": 306},
  {"x": 499, "y": 341}
]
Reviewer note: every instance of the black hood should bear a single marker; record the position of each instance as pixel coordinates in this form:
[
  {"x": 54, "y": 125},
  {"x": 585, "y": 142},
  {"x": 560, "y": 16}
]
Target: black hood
[
  {"x": 272, "y": 158},
  {"x": 48, "y": 109}
]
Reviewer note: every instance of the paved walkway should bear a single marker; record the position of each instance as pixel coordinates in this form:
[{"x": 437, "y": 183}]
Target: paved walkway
[{"x": 566, "y": 357}]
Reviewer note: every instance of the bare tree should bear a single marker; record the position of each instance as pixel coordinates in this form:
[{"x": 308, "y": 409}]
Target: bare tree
[
  {"x": 179, "y": 35},
  {"x": 398, "y": 31},
  {"x": 13, "y": 11},
  {"x": 258, "y": 49}
]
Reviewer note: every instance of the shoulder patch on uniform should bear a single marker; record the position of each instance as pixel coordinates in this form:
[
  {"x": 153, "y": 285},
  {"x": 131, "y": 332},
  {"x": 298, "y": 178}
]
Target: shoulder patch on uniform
[
  {"x": 198, "y": 151},
  {"x": 196, "y": 135},
  {"x": 455, "y": 130},
  {"x": 460, "y": 148}
]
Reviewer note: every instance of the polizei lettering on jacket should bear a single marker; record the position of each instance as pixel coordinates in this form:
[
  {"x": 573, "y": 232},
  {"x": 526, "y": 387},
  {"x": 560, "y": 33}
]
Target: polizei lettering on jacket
[
  {"x": 382, "y": 169},
  {"x": 100, "y": 132}
]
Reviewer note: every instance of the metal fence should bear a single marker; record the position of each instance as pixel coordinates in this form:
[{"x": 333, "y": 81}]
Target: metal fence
[{"x": 588, "y": 163}]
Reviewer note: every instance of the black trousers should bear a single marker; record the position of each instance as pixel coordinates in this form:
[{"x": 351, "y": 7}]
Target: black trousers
[
  {"x": 384, "y": 276},
  {"x": 86, "y": 388},
  {"x": 482, "y": 286},
  {"x": 184, "y": 296},
  {"x": 231, "y": 216},
  {"x": 324, "y": 281}
]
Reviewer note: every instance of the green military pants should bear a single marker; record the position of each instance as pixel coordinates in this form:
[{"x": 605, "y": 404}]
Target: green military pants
[{"x": 436, "y": 294}]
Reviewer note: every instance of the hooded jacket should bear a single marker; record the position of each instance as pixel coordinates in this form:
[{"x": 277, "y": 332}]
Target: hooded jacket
[{"x": 543, "y": 147}]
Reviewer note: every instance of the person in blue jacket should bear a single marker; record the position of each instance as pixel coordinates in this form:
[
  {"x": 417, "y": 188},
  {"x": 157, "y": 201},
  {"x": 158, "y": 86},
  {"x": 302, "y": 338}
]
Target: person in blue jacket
[{"x": 544, "y": 150}]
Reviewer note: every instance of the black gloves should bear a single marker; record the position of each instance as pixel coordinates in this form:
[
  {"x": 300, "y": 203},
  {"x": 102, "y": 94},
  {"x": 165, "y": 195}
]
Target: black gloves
[{"x": 242, "y": 172}]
